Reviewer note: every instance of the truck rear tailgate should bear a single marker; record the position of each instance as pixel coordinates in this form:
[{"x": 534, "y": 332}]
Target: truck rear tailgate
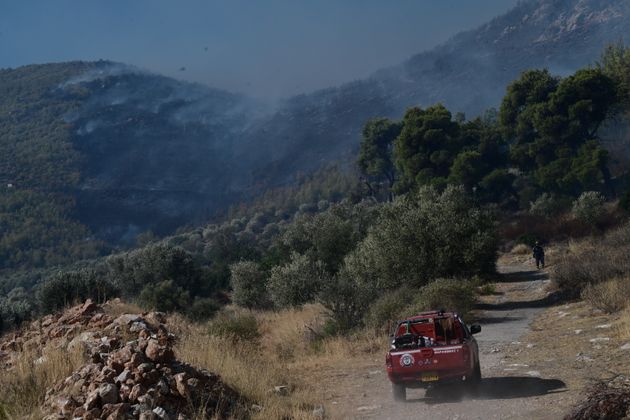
[{"x": 429, "y": 364}]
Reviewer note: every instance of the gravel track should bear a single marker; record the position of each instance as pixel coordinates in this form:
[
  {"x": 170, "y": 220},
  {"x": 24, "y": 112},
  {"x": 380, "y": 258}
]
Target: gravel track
[{"x": 505, "y": 318}]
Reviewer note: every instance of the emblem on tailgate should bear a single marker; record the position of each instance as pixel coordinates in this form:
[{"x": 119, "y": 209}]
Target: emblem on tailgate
[{"x": 406, "y": 360}]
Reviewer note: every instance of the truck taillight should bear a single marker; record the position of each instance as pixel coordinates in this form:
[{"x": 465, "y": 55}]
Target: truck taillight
[{"x": 388, "y": 360}]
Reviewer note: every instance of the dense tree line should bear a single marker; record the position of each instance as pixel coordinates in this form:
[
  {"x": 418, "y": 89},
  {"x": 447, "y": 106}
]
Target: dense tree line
[
  {"x": 188, "y": 272},
  {"x": 351, "y": 254},
  {"x": 543, "y": 139}
]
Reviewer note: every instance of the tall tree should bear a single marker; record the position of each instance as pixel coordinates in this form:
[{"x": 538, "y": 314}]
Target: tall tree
[
  {"x": 519, "y": 105},
  {"x": 375, "y": 155},
  {"x": 425, "y": 149},
  {"x": 481, "y": 166},
  {"x": 552, "y": 128},
  {"x": 615, "y": 63}
]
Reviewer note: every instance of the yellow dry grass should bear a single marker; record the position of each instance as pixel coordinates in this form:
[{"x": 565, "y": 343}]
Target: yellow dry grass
[
  {"x": 116, "y": 307},
  {"x": 623, "y": 328},
  {"x": 610, "y": 296},
  {"x": 23, "y": 387},
  {"x": 521, "y": 249},
  {"x": 287, "y": 353}
]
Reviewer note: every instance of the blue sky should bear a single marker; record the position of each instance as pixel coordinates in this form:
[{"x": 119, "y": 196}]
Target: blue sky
[{"x": 267, "y": 48}]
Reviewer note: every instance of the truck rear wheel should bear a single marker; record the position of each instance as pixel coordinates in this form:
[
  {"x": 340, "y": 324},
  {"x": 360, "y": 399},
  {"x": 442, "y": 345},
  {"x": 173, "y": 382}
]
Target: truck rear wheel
[
  {"x": 400, "y": 392},
  {"x": 475, "y": 380},
  {"x": 477, "y": 374}
]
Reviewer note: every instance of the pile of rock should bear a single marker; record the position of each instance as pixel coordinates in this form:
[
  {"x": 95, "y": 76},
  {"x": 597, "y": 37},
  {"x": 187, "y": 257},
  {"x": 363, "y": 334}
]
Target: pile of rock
[
  {"x": 131, "y": 371},
  {"x": 56, "y": 330}
]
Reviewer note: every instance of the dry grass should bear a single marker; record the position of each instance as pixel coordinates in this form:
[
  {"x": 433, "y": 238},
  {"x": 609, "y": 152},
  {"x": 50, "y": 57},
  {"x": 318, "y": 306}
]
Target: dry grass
[
  {"x": 593, "y": 261},
  {"x": 609, "y": 296},
  {"x": 249, "y": 367},
  {"x": 623, "y": 328},
  {"x": 24, "y": 386},
  {"x": 116, "y": 307},
  {"x": 521, "y": 249},
  {"x": 287, "y": 353},
  {"x": 290, "y": 350}
]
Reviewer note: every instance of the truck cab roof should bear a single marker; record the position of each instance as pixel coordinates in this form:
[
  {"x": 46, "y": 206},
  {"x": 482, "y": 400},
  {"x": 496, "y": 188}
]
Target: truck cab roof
[{"x": 430, "y": 315}]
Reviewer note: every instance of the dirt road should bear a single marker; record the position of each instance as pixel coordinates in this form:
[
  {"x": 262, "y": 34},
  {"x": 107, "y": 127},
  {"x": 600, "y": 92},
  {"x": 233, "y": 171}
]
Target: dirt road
[{"x": 508, "y": 390}]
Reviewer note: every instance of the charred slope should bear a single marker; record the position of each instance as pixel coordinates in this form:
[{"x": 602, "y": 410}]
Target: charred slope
[{"x": 117, "y": 147}]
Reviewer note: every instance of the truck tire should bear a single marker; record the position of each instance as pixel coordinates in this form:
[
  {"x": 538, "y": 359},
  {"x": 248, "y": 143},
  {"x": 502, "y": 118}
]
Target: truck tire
[
  {"x": 475, "y": 380},
  {"x": 400, "y": 392},
  {"x": 477, "y": 374}
]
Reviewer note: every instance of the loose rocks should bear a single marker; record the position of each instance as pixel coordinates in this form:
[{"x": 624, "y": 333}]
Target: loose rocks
[{"x": 138, "y": 379}]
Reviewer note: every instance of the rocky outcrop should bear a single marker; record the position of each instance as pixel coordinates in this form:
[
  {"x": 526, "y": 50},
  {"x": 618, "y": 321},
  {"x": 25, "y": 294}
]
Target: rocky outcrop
[{"x": 131, "y": 370}]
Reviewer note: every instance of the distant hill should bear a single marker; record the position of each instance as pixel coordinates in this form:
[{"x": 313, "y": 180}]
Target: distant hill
[
  {"x": 468, "y": 73},
  {"x": 107, "y": 149}
]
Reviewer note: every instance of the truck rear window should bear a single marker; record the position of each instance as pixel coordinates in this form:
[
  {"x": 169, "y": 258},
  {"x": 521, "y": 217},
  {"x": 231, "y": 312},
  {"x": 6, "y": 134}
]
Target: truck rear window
[{"x": 440, "y": 330}]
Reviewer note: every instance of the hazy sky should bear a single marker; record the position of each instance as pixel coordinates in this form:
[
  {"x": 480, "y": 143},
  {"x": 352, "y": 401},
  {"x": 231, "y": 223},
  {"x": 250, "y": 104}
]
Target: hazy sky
[{"x": 261, "y": 47}]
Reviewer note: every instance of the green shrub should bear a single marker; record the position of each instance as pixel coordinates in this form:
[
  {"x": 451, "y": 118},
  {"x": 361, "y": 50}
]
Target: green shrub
[
  {"x": 135, "y": 270},
  {"x": 527, "y": 239},
  {"x": 15, "y": 308},
  {"x": 297, "y": 282},
  {"x": 589, "y": 207},
  {"x": 426, "y": 236},
  {"x": 70, "y": 287},
  {"x": 249, "y": 283},
  {"x": 389, "y": 308},
  {"x": 330, "y": 235},
  {"x": 235, "y": 327},
  {"x": 448, "y": 294},
  {"x": 202, "y": 309},
  {"x": 164, "y": 296},
  {"x": 547, "y": 205},
  {"x": 331, "y": 328},
  {"x": 347, "y": 300},
  {"x": 487, "y": 289}
]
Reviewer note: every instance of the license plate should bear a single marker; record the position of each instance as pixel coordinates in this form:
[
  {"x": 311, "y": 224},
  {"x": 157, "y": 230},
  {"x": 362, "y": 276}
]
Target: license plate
[{"x": 429, "y": 377}]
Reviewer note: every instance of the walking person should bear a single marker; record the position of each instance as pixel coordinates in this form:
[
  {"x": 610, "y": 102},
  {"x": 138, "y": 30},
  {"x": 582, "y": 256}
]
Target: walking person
[{"x": 539, "y": 255}]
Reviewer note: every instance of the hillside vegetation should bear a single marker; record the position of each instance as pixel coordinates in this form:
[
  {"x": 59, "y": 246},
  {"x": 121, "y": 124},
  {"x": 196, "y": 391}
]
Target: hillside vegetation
[
  {"x": 113, "y": 152},
  {"x": 425, "y": 213},
  {"x": 107, "y": 151}
]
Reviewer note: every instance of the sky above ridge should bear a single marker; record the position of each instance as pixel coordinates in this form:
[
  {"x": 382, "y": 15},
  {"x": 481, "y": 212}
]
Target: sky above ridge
[{"x": 264, "y": 48}]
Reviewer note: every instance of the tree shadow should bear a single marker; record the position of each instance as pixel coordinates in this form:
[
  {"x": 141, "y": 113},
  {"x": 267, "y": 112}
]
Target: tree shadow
[
  {"x": 548, "y": 300},
  {"x": 499, "y": 388},
  {"x": 487, "y": 320},
  {"x": 523, "y": 276}
]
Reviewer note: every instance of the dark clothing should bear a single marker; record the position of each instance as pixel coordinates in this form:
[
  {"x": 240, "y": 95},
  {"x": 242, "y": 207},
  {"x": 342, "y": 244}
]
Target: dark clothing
[{"x": 539, "y": 256}]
